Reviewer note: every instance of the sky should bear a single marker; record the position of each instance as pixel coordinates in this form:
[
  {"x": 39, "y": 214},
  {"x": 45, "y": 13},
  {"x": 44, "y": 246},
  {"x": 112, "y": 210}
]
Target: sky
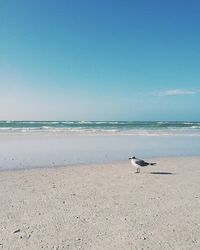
[{"x": 99, "y": 60}]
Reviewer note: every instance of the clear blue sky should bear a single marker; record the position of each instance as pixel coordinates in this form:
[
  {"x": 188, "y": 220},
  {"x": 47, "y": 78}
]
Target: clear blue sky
[{"x": 100, "y": 60}]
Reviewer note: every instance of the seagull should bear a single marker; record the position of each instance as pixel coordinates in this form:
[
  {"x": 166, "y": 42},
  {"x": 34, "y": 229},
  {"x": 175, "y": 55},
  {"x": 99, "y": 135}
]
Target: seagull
[{"x": 140, "y": 163}]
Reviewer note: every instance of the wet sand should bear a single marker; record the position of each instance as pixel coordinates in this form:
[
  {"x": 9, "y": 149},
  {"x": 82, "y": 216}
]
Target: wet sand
[{"x": 18, "y": 151}]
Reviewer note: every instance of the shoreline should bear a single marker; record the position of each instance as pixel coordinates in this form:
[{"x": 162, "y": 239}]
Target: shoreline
[
  {"x": 103, "y": 206},
  {"x": 148, "y": 133},
  {"x": 97, "y": 164},
  {"x": 31, "y": 151}
]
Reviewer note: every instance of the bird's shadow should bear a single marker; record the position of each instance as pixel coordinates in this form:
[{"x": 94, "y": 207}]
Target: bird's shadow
[{"x": 162, "y": 173}]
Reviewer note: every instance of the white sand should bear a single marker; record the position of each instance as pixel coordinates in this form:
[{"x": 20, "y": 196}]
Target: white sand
[{"x": 102, "y": 207}]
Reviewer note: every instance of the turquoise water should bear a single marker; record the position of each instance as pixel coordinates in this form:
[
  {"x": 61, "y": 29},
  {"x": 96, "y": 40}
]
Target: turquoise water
[{"x": 105, "y": 127}]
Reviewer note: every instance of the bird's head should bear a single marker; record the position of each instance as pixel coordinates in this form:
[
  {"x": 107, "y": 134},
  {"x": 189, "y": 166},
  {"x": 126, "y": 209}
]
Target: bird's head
[{"x": 130, "y": 158}]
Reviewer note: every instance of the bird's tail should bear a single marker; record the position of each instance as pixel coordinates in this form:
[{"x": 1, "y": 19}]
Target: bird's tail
[{"x": 153, "y": 163}]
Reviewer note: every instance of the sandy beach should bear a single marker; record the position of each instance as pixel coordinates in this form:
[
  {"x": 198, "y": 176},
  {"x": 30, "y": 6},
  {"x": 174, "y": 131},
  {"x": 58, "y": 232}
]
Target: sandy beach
[{"x": 105, "y": 206}]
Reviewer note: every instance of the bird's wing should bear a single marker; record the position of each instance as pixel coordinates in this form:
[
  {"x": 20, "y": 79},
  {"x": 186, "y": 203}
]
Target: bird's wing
[{"x": 142, "y": 163}]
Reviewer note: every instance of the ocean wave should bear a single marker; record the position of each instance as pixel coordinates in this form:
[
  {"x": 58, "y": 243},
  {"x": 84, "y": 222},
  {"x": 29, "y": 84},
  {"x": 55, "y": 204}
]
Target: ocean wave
[
  {"x": 191, "y": 123},
  {"x": 52, "y": 122},
  {"x": 45, "y": 127},
  {"x": 101, "y": 131},
  {"x": 102, "y": 127},
  {"x": 70, "y": 122},
  {"x": 196, "y": 127},
  {"x": 160, "y": 123}
]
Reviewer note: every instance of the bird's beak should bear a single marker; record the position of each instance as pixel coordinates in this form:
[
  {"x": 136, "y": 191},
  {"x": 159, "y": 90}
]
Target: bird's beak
[{"x": 129, "y": 158}]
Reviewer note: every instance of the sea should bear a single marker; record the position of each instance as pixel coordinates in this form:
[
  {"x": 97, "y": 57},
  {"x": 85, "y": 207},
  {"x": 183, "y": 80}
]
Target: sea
[
  {"x": 148, "y": 128},
  {"x": 32, "y": 144}
]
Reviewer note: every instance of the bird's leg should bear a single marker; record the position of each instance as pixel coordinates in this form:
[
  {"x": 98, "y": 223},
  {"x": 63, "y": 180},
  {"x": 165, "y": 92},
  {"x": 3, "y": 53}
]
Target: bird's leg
[{"x": 138, "y": 170}]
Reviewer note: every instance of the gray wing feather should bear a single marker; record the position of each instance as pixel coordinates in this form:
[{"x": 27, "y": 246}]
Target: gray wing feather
[{"x": 142, "y": 163}]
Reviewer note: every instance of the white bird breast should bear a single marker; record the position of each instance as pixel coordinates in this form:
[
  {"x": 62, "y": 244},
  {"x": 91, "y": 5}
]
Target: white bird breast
[{"x": 134, "y": 163}]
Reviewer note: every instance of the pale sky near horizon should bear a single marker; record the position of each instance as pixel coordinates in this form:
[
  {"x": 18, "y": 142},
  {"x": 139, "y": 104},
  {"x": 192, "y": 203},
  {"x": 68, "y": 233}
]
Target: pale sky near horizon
[{"x": 99, "y": 60}]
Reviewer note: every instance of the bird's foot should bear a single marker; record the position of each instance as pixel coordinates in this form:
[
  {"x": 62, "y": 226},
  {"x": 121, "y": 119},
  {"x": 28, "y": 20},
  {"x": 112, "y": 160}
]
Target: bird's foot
[{"x": 138, "y": 171}]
